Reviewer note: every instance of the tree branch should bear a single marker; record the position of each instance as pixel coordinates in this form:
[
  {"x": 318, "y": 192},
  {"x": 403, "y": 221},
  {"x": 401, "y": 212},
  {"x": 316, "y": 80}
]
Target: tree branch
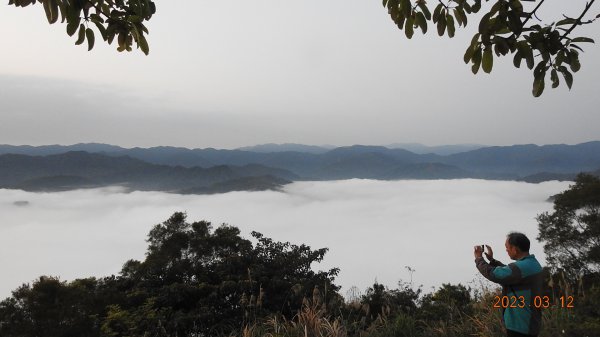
[
  {"x": 578, "y": 20},
  {"x": 532, "y": 13}
]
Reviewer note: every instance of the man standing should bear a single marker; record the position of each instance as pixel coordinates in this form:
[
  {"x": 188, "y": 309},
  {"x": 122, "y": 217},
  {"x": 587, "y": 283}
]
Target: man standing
[{"x": 521, "y": 282}]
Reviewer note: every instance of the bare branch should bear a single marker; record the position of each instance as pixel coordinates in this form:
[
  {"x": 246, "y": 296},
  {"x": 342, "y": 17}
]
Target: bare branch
[{"x": 578, "y": 21}]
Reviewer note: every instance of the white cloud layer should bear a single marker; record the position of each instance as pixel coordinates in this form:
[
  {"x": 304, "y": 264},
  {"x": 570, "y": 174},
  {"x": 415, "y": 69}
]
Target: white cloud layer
[{"x": 372, "y": 228}]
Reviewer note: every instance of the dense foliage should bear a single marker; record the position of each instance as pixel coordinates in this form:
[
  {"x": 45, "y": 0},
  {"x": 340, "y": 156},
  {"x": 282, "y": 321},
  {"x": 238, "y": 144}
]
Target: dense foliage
[
  {"x": 194, "y": 280},
  {"x": 571, "y": 233},
  {"x": 120, "y": 19},
  {"x": 507, "y": 27}
]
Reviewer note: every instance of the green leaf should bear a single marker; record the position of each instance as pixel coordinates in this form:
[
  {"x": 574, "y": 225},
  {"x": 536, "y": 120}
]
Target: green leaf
[
  {"x": 121, "y": 40},
  {"x": 567, "y": 21},
  {"x": 55, "y": 10},
  {"x": 576, "y": 47},
  {"x": 575, "y": 65},
  {"x": 400, "y": 21},
  {"x": 441, "y": 25},
  {"x": 560, "y": 58},
  {"x": 436, "y": 13},
  {"x": 143, "y": 44},
  {"x": 484, "y": 23},
  {"x": 134, "y": 19},
  {"x": 538, "y": 84},
  {"x": 468, "y": 54},
  {"x": 554, "y": 78},
  {"x": 105, "y": 9},
  {"x": 516, "y": 5},
  {"x": 81, "y": 36},
  {"x": 450, "y": 24},
  {"x": 406, "y": 7},
  {"x": 72, "y": 26},
  {"x": 476, "y": 60},
  {"x": 102, "y": 30},
  {"x": 394, "y": 13},
  {"x": 496, "y": 7},
  {"x": 465, "y": 5},
  {"x": 458, "y": 18},
  {"x": 63, "y": 10},
  {"x": 502, "y": 46},
  {"x": 475, "y": 39},
  {"x": 582, "y": 39},
  {"x": 425, "y": 10},
  {"x": 472, "y": 48},
  {"x": 567, "y": 75},
  {"x": 48, "y": 10},
  {"x": 514, "y": 22},
  {"x": 517, "y": 59},
  {"x": 461, "y": 17},
  {"x": 488, "y": 60},
  {"x": 529, "y": 57},
  {"x": 573, "y": 59},
  {"x": 89, "y": 33},
  {"x": 409, "y": 27},
  {"x": 540, "y": 68},
  {"x": 96, "y": 18},
  {"x": 421, "y": 22}
]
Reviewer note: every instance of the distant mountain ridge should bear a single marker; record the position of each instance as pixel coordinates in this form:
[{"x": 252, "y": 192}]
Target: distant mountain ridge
[
  {"x": 530, "y": 159},
  {"x": 442, "y": 150},
  {"x": 80, "y": 169},
  {"x": 287, "y": 147},
  {"x": 519, "y": 162}
]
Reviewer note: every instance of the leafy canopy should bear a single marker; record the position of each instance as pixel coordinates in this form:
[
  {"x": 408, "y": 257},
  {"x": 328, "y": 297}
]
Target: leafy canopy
[
  {"x": 506, "y": 28},
  {"x": 571, "y": 233},
  {"x": 120, "y": 19},
  {"x": 195, "y": 280}
]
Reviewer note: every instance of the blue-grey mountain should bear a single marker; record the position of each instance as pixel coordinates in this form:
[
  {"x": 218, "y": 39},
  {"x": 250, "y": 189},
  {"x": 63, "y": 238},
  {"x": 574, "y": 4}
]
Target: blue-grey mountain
[
  {"x": 531, "y": 163},
  {"x": 84, "y": 170}
]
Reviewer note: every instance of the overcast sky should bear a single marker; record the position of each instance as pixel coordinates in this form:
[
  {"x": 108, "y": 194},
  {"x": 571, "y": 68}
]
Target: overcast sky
[{"x": 233, "y": 73}]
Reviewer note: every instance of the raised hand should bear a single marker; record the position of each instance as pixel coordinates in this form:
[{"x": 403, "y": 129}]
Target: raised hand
[{"x": 489, "y": 254}]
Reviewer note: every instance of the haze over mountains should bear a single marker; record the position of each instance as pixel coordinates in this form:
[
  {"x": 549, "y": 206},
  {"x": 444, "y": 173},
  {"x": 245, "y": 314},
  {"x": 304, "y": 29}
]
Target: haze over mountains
[{"x": 270, "y": 166}]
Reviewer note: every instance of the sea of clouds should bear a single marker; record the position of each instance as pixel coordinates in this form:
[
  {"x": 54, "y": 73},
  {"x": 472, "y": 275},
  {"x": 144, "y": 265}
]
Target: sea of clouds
[{"x": 374, "y": 229}]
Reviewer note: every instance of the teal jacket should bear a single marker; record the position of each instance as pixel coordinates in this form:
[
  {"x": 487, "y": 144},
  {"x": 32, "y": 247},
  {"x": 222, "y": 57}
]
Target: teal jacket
[{"x": 524, "y": 278}]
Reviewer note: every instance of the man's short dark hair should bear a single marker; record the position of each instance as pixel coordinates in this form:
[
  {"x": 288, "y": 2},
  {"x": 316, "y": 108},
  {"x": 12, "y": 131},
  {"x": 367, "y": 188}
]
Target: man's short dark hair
[{"x": 518, "y": 240}]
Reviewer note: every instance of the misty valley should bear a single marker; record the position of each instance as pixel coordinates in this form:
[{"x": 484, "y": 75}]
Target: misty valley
[{"x": 130, "y": 237}]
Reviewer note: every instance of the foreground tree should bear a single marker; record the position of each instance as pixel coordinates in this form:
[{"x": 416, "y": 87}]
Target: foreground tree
[
  {"x": 506, "y": 27},
  {"x": 571, "y": 233},
  {"x": 195, "y": 280},
  {"x": 120, "y": 19}
]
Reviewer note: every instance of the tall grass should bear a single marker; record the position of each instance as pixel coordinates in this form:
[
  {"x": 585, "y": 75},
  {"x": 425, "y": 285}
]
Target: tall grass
[{"x": 479, "y": 320}]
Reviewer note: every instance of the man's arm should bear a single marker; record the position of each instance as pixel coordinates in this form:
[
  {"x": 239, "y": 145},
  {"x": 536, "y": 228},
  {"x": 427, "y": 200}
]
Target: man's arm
[
  {"x": 496, "y": 263},
  {"x": 505, "y": 275}
]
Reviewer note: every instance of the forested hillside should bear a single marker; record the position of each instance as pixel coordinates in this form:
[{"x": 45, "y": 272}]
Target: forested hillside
[{"x": 73, "y": 170}]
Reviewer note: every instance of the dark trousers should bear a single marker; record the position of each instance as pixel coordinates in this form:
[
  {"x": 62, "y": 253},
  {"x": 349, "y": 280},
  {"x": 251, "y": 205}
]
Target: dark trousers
[{"x": 510, "y": 333}]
